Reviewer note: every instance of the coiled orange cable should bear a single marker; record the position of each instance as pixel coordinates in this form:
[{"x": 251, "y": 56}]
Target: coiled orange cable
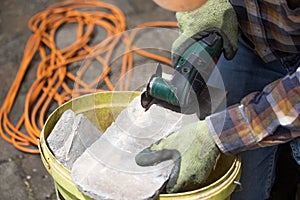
[{"x": 53, "y": 75}]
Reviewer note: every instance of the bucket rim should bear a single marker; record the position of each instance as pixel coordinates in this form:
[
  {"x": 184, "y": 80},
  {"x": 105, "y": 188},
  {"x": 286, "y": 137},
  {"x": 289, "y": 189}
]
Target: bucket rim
[
  {"x": 235, "y": 166},
  {"x": 58, "y": 168}
]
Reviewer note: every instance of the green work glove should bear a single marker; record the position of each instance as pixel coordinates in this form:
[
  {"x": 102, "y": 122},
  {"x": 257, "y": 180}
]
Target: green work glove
[
  {"x": 214, "y": 16},
  {"x": 193, "y": 151}
]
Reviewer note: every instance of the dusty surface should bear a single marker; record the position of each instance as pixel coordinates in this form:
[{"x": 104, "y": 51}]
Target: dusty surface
[
  {"x": 22, "y": 176},
  {"x": 108, "y": 167}
]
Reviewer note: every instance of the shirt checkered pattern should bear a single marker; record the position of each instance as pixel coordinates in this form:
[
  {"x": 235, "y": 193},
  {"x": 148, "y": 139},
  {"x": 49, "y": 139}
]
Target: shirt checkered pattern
[
  {"x": 262, "y": 119},
  {"x": 271, "y": 25}
]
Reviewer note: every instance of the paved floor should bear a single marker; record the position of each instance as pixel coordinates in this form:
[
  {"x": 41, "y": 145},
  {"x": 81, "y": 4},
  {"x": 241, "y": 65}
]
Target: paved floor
[{"x": 22, "y": 176}]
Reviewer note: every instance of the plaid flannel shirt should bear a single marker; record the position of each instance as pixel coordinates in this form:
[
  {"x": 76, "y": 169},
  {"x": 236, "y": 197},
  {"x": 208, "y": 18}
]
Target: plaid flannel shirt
[
  {"x": 262, "y": 119},
  {"x": 271, "y": 116},
  {"x": 271, "y": 25}
]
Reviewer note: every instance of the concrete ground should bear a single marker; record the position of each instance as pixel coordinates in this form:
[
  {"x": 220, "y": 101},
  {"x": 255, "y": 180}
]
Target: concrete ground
[{"x": 22, "y": 176}]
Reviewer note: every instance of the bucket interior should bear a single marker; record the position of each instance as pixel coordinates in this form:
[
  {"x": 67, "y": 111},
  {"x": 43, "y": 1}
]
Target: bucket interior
[{"x": 102, "y": 109}]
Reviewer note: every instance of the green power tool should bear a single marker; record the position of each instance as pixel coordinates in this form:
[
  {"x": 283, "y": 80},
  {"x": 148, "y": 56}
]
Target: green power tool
[{"x": 186, "y": 91}]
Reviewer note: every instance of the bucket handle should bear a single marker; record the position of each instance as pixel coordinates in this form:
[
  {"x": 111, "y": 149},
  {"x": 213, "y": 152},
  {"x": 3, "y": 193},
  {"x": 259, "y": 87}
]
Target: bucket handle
[
  {"x": 239, "y": 186},
  {"x": 42, "y": 153}
]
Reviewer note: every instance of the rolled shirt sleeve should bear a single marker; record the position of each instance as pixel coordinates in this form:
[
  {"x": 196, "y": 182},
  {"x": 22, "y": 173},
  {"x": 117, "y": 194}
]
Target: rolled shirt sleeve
[{"x": 262, "y": 119}]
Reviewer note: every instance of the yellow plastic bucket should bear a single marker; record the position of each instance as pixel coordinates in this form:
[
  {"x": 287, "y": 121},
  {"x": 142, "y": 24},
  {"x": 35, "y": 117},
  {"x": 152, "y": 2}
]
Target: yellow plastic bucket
[{"x": 105, "y": 106}]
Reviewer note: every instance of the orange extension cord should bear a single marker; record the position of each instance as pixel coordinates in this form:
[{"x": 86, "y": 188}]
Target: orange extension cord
[{"x": 52, "y": 73}]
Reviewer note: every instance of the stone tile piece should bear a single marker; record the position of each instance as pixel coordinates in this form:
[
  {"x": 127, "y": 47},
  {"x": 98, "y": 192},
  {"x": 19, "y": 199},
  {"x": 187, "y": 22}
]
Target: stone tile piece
[
  {"x": 71, "y": 136},
  {"x": 107, "y": 169}
]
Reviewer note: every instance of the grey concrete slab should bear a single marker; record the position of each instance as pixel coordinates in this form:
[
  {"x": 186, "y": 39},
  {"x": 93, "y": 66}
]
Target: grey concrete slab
[
  {"x": 71, "y": 136},
  {"x": 107, "y": 169}
]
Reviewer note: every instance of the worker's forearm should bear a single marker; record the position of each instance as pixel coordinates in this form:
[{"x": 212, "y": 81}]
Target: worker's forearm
[
  {"x": 180, "y": 5},
  {"x": 262, "y": 119}
]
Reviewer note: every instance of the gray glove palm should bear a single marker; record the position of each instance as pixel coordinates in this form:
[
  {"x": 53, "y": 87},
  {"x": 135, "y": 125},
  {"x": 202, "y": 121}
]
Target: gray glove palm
[
  {"x": 194, "y": 154},
  {"x": 214, "y": 16}
]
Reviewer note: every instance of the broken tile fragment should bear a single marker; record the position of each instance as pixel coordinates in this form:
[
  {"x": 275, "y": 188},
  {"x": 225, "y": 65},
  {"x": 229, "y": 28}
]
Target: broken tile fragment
[
  {"x": 107, "y": 169},
  {"x": 71, "y": 136}
]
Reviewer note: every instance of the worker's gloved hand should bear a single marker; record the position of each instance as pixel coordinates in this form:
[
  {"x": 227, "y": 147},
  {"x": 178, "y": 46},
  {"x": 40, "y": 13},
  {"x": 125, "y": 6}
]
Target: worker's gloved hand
[
  {"x": 193, "y": 151},
  {"x": 214, "y": 16}
]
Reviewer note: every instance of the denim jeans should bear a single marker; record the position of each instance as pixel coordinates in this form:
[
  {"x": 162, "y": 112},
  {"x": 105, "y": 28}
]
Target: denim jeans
[{"x": 244, "y": 74}]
